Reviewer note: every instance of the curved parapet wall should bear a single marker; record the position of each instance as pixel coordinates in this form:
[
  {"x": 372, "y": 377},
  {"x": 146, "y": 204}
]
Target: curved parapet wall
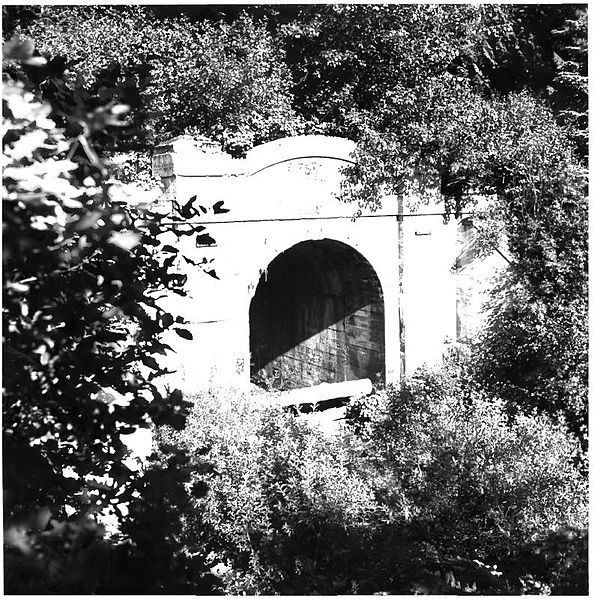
[
  {"x": 185, "y": 156},
  {"x": 303, "y": 147}
]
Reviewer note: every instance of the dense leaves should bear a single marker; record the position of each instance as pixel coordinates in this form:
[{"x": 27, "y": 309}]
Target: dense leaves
[
  {"x": 439, "y": 127},
  {"x": 550, "y": 58},
  {"x": 350, "y": 60},
  {"x": 432, "y": 484},
  {"x": 440, "y": 477},
  {"x": 80, "y": 324},
  {"x": 225, "y": 80}
]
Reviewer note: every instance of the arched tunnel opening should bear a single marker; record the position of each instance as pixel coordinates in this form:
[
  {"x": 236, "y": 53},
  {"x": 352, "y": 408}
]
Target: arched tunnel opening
[{"x": 317, "y": 316}]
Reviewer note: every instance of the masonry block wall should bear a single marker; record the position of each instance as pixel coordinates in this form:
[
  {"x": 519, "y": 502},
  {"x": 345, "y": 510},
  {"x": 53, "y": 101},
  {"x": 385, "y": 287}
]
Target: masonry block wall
[{"x": 305, "y": 294}]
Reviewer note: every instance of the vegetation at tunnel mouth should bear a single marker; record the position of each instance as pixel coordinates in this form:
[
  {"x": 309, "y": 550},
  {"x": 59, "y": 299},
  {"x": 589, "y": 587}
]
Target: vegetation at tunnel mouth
[{"x": 468, "y": 478}]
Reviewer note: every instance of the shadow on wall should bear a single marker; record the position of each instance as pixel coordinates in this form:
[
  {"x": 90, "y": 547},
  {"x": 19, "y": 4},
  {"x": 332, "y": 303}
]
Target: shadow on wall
[{"x": 317, "y": 316}]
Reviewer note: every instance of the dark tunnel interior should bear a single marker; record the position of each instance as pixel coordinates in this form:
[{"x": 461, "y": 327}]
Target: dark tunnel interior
[{"x": 317, "y": 316}]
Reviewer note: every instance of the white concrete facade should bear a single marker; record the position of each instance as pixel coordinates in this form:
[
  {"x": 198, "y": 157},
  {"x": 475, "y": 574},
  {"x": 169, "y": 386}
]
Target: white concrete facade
[{"x": 283, "y": 193}]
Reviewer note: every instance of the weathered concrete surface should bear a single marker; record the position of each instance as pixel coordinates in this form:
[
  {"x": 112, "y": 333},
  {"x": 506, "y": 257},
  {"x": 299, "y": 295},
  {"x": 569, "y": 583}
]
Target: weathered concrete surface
[{"x": 304, "y": 292}]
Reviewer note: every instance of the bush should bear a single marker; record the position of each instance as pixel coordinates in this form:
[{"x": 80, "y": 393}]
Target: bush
[
  {"x": 480, "y": 483},
  {"x": 534, "y": 353},
  {"x": 284, "y": 502},
  {"x": 434, "y": 483}
]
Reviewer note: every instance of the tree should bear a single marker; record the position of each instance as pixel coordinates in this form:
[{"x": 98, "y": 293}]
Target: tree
[
  {"x": 442, "y": 126},
  {"x": 548, "y": 56},
  {"x": 570, "y": 85},
  {"x": 348, "y": 58},
  {"x": 476, "y": 100},
  {"x": 348, "y": 61},
  {"x": 224, "y": 80},
  {"x": 81, "y": 328}
]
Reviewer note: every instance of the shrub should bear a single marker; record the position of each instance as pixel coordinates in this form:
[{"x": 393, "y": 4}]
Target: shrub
[
  {"x": 480, "y": 483},
  {"x": 285, "y": 504},
  {"x": 81, "y": 269},
  {"x": 434, "y": 483}
]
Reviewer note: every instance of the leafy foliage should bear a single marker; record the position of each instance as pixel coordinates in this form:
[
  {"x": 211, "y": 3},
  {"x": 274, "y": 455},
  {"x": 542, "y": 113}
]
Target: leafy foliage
[
  {"x": 435, "y": 485},
  {"x": 534, "y": 353},
  {"x": 348, "y": 61},
  {"x": 81, "y": 324},
  {"x": 432, "y": 482},
  {"x": 224, "y": 80},
  {"x": 549, "y": 57},
  {"x": 442, "y": 133},
  {"x": 488, "y": 479},
  {"x": 482, "y": 484}
]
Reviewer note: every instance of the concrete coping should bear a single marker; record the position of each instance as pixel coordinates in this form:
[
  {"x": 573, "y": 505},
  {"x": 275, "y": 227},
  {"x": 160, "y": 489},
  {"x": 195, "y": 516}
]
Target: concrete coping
[
  {"x": 185, "y": 156},
  {"x": 294, "y": 148}
]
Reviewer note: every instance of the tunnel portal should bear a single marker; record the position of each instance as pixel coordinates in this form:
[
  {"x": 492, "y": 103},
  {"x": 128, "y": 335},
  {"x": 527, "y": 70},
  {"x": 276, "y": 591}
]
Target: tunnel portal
[{"x": 317, "y": 316}]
